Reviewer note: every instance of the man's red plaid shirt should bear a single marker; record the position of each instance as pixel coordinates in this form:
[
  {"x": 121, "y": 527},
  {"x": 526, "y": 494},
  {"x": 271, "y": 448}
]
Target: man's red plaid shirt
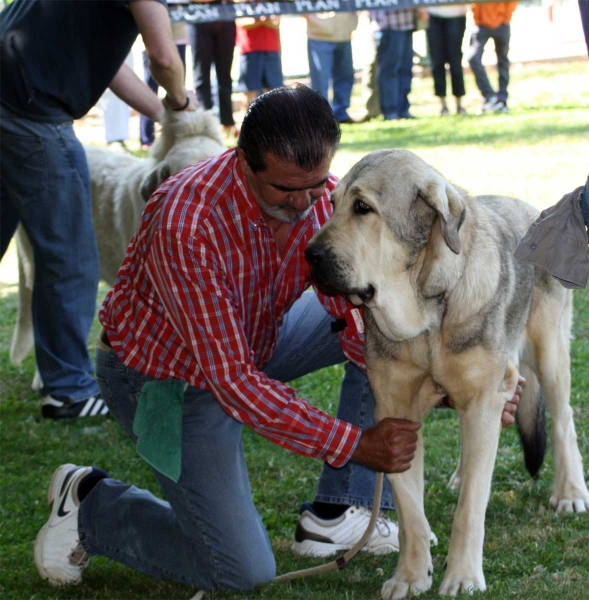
[{"x": 200, "y": 297}]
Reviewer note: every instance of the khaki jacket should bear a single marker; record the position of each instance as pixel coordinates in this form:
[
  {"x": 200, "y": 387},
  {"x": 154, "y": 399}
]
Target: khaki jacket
[
  {"x": 557, "y": 241},
  {"x": 331, "y": 26}
]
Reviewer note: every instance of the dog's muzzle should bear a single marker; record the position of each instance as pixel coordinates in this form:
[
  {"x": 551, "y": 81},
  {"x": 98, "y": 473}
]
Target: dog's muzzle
[
  {"x": 329, "y": 275},
  {"x": 322, "y": 265}
]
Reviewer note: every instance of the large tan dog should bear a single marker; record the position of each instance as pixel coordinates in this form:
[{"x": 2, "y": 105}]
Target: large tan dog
[
  {"x": 448, "y": 310},
  {"x": 121, "y": 185}
]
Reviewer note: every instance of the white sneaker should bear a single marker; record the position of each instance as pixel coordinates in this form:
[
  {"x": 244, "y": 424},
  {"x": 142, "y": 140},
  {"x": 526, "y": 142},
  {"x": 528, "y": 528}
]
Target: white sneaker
[
  {"x": 322, "y": 537},
  {"x": 59, "y": 556},
  {"x": 494, "y": 105}
]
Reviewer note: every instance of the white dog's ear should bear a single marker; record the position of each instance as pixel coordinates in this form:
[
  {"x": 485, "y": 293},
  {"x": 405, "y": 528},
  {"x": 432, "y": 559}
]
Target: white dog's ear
[
  {"x": 154, "y": 179},
  {"x": 443, "y": 197}
]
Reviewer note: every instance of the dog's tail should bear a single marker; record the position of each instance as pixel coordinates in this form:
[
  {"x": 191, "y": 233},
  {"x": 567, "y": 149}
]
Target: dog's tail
[{"x": 531, "y": 422}]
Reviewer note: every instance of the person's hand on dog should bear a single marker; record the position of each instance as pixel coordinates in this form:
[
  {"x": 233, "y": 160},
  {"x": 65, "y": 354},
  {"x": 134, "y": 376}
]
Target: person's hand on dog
[
  {"x": 508, "y": 415},
  {"x": 389, "y": 446},
  {"x": 189, "y": 104},
  {"x": 509, "y": 410}
]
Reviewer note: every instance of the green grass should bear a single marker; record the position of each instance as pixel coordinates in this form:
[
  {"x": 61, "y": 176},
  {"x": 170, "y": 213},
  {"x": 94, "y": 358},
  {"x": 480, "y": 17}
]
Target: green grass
[{"x": 539, "y": 151}]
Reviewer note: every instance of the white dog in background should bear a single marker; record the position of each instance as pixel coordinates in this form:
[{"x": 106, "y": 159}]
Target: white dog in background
[{"x": 121, "y": 185}]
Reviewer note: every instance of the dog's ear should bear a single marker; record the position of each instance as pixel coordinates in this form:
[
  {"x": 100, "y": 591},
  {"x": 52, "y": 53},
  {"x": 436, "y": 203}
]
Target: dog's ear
[
  {"x": 154, "y": 179},
  {"x": 443, "y": 197}
]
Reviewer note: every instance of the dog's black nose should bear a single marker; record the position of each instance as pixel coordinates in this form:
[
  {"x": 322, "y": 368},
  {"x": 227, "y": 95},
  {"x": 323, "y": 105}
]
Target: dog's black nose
[{"x": 315, "y": 253}]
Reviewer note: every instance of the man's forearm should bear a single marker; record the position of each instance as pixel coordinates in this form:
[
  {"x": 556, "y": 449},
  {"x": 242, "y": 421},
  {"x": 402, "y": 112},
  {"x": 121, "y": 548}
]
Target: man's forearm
[
  {"x": 129, "y": 88},
  {"x": 165, "y": 65},
  {"x": 171, "y": 78}
]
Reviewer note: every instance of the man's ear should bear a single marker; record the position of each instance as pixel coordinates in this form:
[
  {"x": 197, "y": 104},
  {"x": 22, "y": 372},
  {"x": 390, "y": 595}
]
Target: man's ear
[
  {"x": 243, "y": 161},
  {"x": 154, "y": 179},
  {"x": 443, "y": 197}
]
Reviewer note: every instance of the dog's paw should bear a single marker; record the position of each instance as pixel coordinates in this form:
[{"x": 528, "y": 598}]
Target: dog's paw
[
  {"x": 570, "y": 495},
  {"x": 467, "y": 584},
  {"x": 578, "y": 505},
  {"x": 402, "y": 587}
]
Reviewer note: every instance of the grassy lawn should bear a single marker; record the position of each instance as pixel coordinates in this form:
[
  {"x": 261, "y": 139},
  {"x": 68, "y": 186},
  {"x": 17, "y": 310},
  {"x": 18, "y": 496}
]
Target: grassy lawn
[{"x": 538, "y": 152}]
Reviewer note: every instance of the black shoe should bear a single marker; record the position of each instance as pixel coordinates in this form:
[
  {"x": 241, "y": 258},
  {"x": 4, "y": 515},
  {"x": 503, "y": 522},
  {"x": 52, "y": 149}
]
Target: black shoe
[{"x": 60, "y": 407}]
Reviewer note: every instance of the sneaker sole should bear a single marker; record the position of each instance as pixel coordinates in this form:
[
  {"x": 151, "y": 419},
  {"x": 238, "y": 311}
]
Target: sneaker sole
[
  {"x": 319, "y": 549},
  {"x": 322, "y": 549},
  {"x": 54, "y": 487}
]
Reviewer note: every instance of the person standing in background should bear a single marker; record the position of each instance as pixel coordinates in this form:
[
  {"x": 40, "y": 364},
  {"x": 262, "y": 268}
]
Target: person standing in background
[
  {"x": 445, "y": 33},
  {"x": 492, "y": 20},
  {"x": 146, "y": 125},
  {"x": 115, "y": 117},
  {"x": 329, "y": 48},
  {"x": 258, "y": 41},
  {"x": 214, "y": 43},
  {"x": 394, "y": 40}
]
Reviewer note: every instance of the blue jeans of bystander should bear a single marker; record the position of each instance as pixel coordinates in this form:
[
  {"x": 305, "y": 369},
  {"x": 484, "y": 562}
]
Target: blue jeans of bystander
[
  {"x": 332, "y": 62},
  {"x": 395, "y": 71},
  {"x": 209, "y": 533}
]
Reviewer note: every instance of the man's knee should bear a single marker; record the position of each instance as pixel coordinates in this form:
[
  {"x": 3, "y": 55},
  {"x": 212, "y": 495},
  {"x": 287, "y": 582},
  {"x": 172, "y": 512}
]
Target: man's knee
[{"x": 253, "y": 568}]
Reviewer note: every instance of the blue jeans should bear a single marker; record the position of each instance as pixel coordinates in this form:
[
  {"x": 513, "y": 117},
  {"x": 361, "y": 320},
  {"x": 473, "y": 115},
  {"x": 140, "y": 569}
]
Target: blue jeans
[
  {"x": 395, "y": 71},
  {"x": 259, "y": 71},
  {"x": 332, "y": 61},
  {"x": 479, "y": 38},
  {"x": 209, "y": 533},
  {"x": 444, "y": 37},
  {"x": 45, "y": 185}
]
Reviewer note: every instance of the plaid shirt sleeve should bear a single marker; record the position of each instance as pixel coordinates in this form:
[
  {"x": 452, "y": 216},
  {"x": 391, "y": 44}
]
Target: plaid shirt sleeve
[{"x": 197, "y": 300}]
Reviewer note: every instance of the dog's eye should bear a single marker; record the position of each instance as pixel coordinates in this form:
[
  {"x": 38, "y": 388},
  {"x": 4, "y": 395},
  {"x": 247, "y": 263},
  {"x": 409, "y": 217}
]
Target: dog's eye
[{"x": 360, "y": 207}]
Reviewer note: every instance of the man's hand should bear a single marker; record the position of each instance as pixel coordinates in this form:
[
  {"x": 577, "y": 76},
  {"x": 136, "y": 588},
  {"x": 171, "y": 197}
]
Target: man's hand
[
  {"x": 190, "y": 98},
  {"x": 508, "y": 415},
  {"x": 389, "y": 446},
  {"x": 509, "y": 410}
]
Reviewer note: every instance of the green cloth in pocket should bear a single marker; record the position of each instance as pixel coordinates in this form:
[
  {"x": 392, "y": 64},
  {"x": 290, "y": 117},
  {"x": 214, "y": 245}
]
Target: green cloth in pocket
[{"x": 158, "y": 425}]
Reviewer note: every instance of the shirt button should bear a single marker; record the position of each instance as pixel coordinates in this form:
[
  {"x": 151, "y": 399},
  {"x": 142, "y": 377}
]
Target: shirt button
[{"x": 534, "y": 246}]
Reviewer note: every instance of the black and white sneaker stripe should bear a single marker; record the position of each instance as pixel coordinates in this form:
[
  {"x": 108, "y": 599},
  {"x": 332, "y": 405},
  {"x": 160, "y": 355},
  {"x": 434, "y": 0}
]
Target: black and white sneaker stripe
[{"x": 59, "y": 407}]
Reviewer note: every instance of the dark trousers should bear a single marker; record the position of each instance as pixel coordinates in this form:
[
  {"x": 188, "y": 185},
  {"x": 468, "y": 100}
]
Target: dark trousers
[
  {"x": 146, "y": 128},
  {"x": 444, "y": 36},
  {"x": 480, "y": 37},
  {"x": 213, "y": 43}
]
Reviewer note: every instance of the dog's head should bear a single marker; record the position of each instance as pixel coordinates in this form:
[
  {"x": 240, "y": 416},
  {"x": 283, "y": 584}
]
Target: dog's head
[{"x": 392, "y": 241}]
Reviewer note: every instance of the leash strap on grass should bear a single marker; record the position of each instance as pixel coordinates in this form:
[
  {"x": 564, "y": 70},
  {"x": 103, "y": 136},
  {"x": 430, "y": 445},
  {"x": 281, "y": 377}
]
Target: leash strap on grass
[{"x": 341, "y": 561}]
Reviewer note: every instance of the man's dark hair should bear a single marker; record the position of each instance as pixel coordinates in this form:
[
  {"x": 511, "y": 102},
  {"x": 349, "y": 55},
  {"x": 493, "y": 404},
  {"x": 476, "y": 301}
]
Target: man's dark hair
[{"x": 295, "y": 124}]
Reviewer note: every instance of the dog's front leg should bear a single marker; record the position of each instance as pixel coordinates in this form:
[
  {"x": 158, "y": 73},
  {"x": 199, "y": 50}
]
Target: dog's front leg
[
  {"x": 480, "y": 426},
  {"x": 414, "y": 572},
  {"x": 400, "y": 399}
]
